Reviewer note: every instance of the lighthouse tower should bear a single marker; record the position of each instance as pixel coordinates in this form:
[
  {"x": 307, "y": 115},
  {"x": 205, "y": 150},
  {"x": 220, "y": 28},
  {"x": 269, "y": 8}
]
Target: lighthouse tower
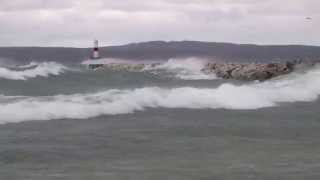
[{"x": 95, "y": 53}]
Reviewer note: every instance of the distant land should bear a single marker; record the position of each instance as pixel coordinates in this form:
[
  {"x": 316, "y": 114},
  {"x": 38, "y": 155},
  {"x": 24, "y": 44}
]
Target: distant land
[{"x": 161, "y": 50}]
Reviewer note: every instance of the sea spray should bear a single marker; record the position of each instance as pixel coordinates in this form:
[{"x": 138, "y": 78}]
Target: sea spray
[
  {"x": 186, "y": 69},
  {"x": 292, "y": 88},
  {"x": 32, "y": 70}
]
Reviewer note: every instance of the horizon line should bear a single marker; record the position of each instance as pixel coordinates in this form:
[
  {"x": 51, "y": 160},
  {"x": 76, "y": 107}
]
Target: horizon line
[{"x": 164, "y": 41}]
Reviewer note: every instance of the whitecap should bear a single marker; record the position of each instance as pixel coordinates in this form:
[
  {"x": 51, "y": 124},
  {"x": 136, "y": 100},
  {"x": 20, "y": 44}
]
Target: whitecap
[
  {"x": 32, "y": 70},
  {"x": 288, "y": 89}
]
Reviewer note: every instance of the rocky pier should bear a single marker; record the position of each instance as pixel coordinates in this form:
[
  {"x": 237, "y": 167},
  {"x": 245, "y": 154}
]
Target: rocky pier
[
  {"x": 249, "y": 71},
  {"x": 238, "y": 71}
]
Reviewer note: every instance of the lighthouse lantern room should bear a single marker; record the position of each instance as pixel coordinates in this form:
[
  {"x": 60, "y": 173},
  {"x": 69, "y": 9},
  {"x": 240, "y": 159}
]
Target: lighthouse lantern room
[{"x": 95, "y": 53}]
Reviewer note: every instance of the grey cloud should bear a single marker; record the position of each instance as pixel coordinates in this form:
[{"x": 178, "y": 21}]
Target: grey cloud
[
  {"x": 77, "y": 22},
  {"x": 25, "y": 5}
]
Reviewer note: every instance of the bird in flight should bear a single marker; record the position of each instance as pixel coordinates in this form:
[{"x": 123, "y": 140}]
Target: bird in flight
[{"x": 308, "y": 18}]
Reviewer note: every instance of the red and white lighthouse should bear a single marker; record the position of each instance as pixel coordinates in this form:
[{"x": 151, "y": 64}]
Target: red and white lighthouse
[{"x": 95, "y": 53}]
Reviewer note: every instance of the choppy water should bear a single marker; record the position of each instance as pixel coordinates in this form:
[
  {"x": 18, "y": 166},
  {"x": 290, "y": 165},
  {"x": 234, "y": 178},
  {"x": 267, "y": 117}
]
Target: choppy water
[{"x": 166, "y": 122}]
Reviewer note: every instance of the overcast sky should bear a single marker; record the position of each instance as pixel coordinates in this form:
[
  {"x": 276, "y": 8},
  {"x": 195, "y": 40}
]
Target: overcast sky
[{"x": 77, "y": 22}]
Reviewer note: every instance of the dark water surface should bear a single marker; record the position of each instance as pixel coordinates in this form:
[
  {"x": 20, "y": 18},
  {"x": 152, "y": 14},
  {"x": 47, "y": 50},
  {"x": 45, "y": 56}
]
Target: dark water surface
[
  {"x": 159, "y": 142},
  {"x": 167, "y": 144}
]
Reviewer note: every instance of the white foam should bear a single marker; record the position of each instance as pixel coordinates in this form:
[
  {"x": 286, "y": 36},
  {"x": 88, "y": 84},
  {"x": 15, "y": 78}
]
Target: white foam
[
  {"x": 186, "y": 69},
  {"x": 293, "y": 88},
  {"x": 40, "y": 69}
]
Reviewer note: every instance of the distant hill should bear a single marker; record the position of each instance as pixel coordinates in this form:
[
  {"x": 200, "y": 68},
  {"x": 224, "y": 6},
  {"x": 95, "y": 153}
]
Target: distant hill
[{"x": 160, "y": 50}]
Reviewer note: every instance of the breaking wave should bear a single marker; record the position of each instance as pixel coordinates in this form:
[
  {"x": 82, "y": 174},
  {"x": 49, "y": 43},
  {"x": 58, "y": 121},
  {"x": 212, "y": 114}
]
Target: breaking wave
[
  {"x": 292, "y": 88},
  {"x": 186, "y": 69},
  {"x": 32, "y": 70}
]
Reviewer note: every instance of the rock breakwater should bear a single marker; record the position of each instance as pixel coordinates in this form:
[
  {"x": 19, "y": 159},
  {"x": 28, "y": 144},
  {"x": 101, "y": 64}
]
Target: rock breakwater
[
  {"x": 249, "y": 71},
  {"x": 238, "y": 71}
]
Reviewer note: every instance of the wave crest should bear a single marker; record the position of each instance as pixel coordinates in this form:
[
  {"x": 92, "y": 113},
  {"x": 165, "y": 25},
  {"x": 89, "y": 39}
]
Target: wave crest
[
  {"x": 186, "y": 69},
  {"x": 293, "y": 88},
  {"x": 32, "y": 70}
]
